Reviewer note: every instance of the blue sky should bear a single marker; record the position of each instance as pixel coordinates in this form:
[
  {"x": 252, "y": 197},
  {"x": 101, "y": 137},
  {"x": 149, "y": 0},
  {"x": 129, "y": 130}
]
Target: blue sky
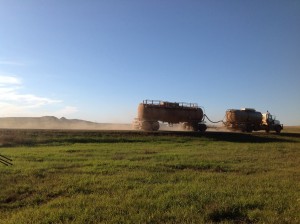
[{"x": 97, "y": 60}]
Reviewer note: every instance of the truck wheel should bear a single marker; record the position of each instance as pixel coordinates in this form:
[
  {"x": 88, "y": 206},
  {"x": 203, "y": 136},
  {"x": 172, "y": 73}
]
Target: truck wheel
[{"x": 278, "y": 129}]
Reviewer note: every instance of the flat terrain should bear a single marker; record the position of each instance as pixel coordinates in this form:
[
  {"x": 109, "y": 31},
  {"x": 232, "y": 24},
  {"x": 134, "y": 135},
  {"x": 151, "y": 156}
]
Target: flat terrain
[{"x": 61, "y": 176}]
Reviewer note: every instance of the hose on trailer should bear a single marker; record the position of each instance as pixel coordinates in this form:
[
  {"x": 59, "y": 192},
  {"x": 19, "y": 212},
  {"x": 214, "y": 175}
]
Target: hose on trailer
[{"x": 215, "y": 122}]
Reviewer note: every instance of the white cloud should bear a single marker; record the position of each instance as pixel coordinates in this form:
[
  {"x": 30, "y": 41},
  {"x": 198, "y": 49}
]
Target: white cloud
[
  {"x": 9, "y": 80},
  {"x": 14, "y": 103},
  {"x": 25, "y": 99}
]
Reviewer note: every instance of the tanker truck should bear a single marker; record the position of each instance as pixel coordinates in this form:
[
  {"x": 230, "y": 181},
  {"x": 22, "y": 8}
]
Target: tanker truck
[
  {"x": 150, "y": 112},
  {"x": 248, "y": 120}
]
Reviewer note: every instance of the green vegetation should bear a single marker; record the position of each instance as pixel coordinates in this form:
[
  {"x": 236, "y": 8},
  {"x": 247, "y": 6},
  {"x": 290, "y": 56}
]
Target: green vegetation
[{"x": 140, "y": 177}]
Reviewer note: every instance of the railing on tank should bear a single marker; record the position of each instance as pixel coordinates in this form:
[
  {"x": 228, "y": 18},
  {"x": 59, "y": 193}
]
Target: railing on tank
[{"x": 170, "y": 104}]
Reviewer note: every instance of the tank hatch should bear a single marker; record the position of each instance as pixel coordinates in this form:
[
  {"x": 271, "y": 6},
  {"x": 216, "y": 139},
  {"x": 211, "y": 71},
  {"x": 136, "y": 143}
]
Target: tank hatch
[{"x": 248, "y": 109}]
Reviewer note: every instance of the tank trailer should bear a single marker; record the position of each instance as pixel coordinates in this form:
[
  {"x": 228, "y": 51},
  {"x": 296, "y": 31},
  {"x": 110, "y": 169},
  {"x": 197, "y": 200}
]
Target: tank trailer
[
  {"x": 150, "y": 112},
  {"x": 191, "y": 117},
  {"x": 248, "y": 120}
]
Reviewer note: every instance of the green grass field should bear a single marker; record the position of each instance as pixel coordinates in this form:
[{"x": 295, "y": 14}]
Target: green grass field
[{"x": 140, "y": 177}]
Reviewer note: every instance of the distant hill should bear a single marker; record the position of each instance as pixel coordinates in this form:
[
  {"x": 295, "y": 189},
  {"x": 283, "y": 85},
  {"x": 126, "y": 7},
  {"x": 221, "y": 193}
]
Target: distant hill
[{"x": 51, "y": 122}]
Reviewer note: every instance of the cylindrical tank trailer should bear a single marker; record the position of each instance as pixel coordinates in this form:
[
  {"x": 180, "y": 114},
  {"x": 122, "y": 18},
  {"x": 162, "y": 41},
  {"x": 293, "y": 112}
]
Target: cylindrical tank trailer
[{"x": 189, "y": 115}]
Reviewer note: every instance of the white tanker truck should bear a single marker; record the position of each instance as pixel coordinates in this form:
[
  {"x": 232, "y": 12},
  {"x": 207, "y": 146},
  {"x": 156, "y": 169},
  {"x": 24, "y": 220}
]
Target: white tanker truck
[{"x": 248, "y": 120}]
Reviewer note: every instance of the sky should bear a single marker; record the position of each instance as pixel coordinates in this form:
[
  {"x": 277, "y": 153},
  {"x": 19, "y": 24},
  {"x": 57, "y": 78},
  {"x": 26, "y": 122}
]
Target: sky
[{"x": 96, "y": 60}]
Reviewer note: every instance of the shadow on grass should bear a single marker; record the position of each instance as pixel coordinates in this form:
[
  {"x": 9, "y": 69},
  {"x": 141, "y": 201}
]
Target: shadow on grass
[
  {"x": 245, "y": 137},
  {"x": 229, "y": 215},
  {"x": 232, "y": 213},
  {"x": 292, "y": 135},
  {"x": 57, "y": 141},
  {"x": 11, "y": 138},
  {"x": 238, "y": 137}
]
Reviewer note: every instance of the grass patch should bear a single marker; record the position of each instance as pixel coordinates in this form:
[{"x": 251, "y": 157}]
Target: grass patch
[{"x": 144, "y": 177}]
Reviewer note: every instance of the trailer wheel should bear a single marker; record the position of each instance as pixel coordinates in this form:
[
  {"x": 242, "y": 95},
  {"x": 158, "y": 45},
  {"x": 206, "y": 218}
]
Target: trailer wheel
[
  {"x": 202, "y": 127},
  {"x": 155, "y": 126},
  {"x": 249, "y": 129},
  {"x": 146, "y": 126},
  {"x": 150, "y": 125},
  {"x": 195, "y": 127}
]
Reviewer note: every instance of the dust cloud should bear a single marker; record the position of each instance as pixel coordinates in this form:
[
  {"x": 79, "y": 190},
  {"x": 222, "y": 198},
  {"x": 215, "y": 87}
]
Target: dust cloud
[
  {"x": 51, "y": 122},
  {"x": 218, "y": 129},
  {"x": 173, "y": 127}
]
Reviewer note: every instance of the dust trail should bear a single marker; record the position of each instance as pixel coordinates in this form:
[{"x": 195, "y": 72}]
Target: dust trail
[
  {"x": 50, "y": 122},
  {"x": 174, "y": 127},
  {"x": 218, "y": 128}
]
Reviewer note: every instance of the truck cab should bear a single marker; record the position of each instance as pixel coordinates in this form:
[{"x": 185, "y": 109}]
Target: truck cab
[{"x": 270, "y": 123}]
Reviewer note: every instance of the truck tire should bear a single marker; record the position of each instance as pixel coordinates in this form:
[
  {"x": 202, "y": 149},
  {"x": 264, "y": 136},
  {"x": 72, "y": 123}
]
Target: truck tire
[{"x": 278, "y": 129}]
